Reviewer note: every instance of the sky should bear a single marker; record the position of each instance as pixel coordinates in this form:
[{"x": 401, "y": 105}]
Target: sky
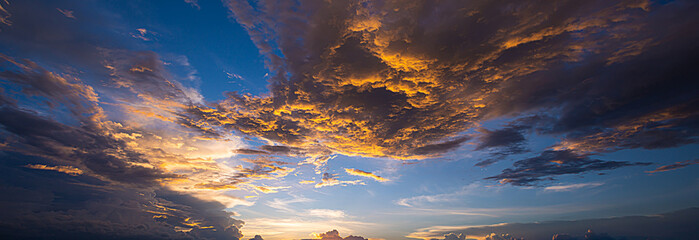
[{"x": 349, "y": 120}]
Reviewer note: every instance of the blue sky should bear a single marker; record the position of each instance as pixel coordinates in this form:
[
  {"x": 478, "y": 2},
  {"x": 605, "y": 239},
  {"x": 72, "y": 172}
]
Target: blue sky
[{"x": 378, "y": 119}]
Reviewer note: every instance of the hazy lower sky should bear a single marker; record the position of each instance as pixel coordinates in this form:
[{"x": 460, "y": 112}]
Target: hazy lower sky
[{"x": 349, "y": 120}]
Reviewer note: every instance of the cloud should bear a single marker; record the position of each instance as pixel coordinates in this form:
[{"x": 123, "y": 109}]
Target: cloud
[
  {"x": 5, "y": 15},
  {"x": 510, "y": 137},
  {"x": 194, "y": 3},
  {"x": 423, "y": 200},
  {"x": 283, "y": 204},
  {"x": 408, "y": 84},
  {"x": 145, "y": 35},
  {"x": 67, "y": 13},
  {"x": 601, "y": 76},
  {"x": 673, "y": 225},
  {"x": 674, "y": 166},
  {"x": 356, "y": 172},
  {"x": 552, "y": 163},
  {"x": 501, "y": 143},
  {"x": 326, "y": 213},
  {"x": 298, "y": 227},
  {"x": 257, "y": 237},
  {"x": 571, "y": 187},
  {"x": 331, "y": 180},
  {"x": 140, "y": 173},
  {"x": 335, "y": 235},
  {"x": 100, "y": 209},
  {"x": 64, "y": 169}
]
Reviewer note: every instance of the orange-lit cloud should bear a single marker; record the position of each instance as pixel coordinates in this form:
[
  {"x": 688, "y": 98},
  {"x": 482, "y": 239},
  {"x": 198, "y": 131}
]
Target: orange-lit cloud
[
  {"x": 67, "y": 13},
  {"x": 64, "y": 169},
  {"x": 674, "y": 166},
  {"x": 331, "y": 180},
  {"x": 356, "y": 172},
  {"x": 377, "y": 85}
]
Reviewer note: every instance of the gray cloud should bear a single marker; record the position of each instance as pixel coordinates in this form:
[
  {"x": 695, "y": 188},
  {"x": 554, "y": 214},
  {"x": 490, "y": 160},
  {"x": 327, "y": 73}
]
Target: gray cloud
[
  {"x": 553, "y": 163},
  {"x": 501, "y": 143}
]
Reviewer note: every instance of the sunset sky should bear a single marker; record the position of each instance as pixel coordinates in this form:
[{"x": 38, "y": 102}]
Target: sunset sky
[{"x": 349, "y": 120}]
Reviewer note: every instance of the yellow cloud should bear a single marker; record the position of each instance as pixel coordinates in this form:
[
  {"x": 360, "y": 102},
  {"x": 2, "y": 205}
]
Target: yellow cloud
[
  {"x": 356, "y": 172},
  {"x": 64, "y": 169}
]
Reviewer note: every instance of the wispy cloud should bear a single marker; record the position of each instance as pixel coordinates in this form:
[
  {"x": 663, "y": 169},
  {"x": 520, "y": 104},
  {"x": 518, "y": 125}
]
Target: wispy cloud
[
  {"x": 326, "y": 213},
  {"x": 67, "y": 13},
  {"x": 674, "y": 166},
  {"x": 64, "y": 169},
  {"x": 356, "y": 172},
  {"x": 571, "y": 187},
  {"x": 331, "y": 180}
]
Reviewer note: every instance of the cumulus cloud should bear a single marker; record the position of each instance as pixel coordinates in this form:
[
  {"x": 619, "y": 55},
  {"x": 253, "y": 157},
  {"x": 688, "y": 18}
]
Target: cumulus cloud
[
  {"x": 390, "y": 79},
  {"x": 335, "y": 235},
  {"x": 409, "y": 84}
]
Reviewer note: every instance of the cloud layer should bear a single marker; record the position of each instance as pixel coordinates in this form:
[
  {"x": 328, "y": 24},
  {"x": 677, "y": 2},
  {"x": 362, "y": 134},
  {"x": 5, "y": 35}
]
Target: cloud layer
[
  {"x": 673, "y": 225},
  {"x": 398, "y": 80}
]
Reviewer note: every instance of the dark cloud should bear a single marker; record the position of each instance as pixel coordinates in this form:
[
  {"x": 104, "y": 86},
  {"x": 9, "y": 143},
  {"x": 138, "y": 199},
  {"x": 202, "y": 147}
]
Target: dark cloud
[
  {"x": 281, "y": 150},
  {"x": 250, "y": 151},
  {"x": 270, "y": 149},
  {"x": 73, "y": 174},
  {"x": 113, "y": 199},
  {"x": 452, "y": 236},
  {"x": 60, "y": 206},
  {"x": 553, "y": 163},
  {"x": 510, "y": 137},
  {"x": 257, "y": 237},
  {"x": 41, "y": 32},
  {"x": 501, "y": 143},
  {"x": 674, "y": 166},
  {"x": 380, "y": 82},
  {"x": 437, "y": 148},
  {"x": 394, "y": 79},
  {"x": 673, "y": 225}
]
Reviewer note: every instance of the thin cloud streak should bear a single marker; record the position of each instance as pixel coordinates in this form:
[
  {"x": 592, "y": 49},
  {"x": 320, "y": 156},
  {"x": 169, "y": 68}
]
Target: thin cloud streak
[{"x": 571, "y": 187}]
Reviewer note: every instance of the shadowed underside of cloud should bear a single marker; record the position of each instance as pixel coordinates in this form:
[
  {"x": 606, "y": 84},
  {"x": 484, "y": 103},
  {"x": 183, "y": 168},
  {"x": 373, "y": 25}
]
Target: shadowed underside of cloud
[
  {"x": 555, "y": 163},
  {"x": 101, "y": 187},
  {"x": 674, "y": 225},
  {"x": 89, "y": 145},
  {"x": 399, "y": 80},
  {"x": 501, "y": 143}
]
